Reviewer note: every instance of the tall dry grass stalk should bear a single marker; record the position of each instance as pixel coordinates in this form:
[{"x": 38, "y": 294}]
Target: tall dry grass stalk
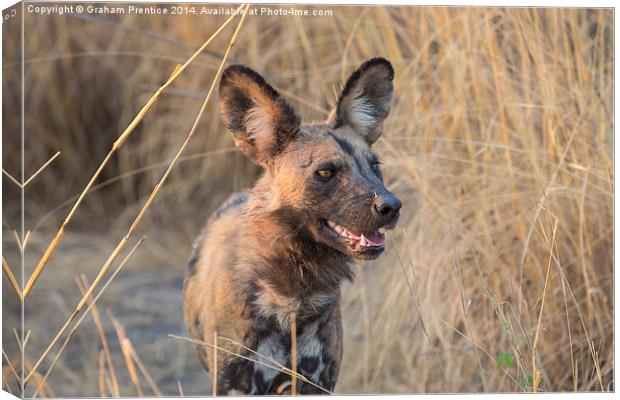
[
  {"x": 82, "y": 283},
  {"x": 140, "y": 215},
  {"x": 214, "y": 368},
  {"x": 501, "y": 125},
  {"x": 293, "y": 319},
  {"x": 125, "y": 349},
  {"x": 115, "y": 147}
]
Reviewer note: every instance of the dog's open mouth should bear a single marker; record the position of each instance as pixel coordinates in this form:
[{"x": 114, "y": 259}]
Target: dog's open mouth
[{"x": 359, "y": 241}]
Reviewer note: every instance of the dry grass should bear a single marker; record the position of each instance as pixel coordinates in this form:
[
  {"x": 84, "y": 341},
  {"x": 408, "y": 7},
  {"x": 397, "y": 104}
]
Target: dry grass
[{"x": 500, "y": 143}]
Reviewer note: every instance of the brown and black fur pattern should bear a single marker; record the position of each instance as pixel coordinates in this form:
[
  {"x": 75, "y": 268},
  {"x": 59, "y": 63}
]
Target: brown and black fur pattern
[{"x": 276, "y": 248}]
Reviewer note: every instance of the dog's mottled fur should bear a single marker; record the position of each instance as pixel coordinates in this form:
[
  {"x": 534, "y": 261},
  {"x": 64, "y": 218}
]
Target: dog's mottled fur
[{"x": 275, "y": 248}]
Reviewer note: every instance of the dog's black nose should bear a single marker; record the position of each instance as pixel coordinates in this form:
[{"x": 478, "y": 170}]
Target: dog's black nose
[{"x": 387, "y": 206}]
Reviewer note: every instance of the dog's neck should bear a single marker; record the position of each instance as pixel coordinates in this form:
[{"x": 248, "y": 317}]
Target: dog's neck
[{"x": 292, "y": 261}]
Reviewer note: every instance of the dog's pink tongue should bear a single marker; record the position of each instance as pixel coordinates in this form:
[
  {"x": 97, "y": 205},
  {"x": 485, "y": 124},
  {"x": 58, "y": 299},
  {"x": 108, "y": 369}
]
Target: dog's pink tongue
[{"x": 377, "y": 239}]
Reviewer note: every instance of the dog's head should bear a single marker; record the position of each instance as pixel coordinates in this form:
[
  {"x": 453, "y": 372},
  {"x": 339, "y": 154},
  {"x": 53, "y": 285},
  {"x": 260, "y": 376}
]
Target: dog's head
[{"x": 325, "y": 179}]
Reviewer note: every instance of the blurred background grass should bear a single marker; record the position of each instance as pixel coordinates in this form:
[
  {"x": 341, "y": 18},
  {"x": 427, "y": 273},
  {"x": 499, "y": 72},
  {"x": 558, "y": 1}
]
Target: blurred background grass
[{"x": 500, "y": 143}]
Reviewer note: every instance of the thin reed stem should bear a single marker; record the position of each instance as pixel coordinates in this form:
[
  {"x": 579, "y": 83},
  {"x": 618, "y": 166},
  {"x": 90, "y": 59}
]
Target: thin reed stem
[
  {"x": 115, "y": 147},
  {"x": 293, "y": 318},
  {"x": 214, "y": 373},
  {"x": 145, "y": 207}
]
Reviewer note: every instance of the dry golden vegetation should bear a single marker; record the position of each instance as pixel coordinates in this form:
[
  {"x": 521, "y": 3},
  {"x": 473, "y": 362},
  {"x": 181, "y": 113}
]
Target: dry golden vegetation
[{"x": 500, "y": 143}]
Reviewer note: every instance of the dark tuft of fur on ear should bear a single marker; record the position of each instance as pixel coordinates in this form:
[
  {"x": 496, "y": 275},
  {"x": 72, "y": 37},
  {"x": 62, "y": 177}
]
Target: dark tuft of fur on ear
[
  {"x": 366, "y": 99},
  {"x": 261, "y": 121}
]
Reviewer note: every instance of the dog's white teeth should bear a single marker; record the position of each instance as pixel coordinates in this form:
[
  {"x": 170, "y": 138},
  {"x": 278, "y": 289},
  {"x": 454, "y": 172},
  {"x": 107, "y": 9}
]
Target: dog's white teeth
[
  {"x": 342, "y": 231},
  {"x": 382, "y": 230},
  {"x": 363, "y": 241}
]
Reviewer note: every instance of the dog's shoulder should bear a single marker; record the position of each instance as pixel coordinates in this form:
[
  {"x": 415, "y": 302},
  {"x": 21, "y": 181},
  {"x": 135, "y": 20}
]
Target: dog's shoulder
[{"x": 233, "y": 202}]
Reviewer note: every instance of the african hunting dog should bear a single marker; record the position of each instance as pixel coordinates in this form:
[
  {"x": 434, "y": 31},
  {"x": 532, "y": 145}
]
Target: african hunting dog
[{"x": 287, "y": 244}]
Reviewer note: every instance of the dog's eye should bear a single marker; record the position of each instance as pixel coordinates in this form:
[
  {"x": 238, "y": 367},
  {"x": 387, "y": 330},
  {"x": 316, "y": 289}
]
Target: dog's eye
[{"x": 325, "y": 174}]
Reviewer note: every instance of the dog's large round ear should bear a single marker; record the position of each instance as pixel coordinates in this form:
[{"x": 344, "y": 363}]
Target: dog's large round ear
[
  {"x": 261, "y": 121},
  {"x": 365, "y": 99}
]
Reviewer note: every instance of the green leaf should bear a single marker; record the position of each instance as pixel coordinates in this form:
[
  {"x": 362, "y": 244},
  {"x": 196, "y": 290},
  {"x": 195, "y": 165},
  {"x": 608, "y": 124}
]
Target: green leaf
[{"x": 505, "y": 360}]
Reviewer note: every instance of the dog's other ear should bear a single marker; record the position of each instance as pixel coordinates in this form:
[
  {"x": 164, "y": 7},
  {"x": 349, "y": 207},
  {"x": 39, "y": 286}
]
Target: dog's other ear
[
  {"x": 261, "y": 121},
  {"x": 365, "y": 100}
]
